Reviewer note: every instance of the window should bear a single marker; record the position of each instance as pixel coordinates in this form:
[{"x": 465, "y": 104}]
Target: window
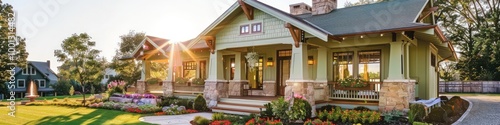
[
  {"x": 21, "y": 83},
  {"x": 255, "y": 77},
  {"x": 25, "y": 71},
  {"x": 33, "y": 71},
  {"x": 189, "y": 70},
  {"x": 342, "y": 65},
  {"x": 40, "y": 82},
  {"x": 203, "y": 69},
  {"x": 284, "y": 53},
  {"x": 369, "y": 66},
  {"x": 257, "y": 28},
  {"x": 29, "y": 70},
  {"x": 244, "y": 29}
]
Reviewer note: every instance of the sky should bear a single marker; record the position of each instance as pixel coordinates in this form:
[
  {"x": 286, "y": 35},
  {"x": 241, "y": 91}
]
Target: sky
[{"x": 46, "y": 23}]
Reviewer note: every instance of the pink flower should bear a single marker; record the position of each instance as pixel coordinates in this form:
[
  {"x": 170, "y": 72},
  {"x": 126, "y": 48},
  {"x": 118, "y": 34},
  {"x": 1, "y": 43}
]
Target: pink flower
[
  {"x": 114, "y": 83},
  {"x": 109, "y": 86}
]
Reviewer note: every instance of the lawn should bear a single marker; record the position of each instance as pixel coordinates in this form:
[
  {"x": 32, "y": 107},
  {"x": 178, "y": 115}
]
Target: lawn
[
  {"x": 58, "y": 115},
  {"x": 52, "y": 97}
]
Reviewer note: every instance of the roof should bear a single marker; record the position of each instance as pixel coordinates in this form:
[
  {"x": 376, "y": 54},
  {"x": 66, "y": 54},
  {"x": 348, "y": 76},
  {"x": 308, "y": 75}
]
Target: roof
[
  {"x": 157, "y": 42},
  {"x": 370, "y": 17},
  {"x": 42, "y": 67}
]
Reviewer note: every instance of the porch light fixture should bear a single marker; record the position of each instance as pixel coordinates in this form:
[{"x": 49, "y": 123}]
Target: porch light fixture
[
  {"x": 310, "y": 60},
  {"x": 232, "y": 64},
  {"x": 361, "y": 36},
  {"x": 270, "y": 62}
]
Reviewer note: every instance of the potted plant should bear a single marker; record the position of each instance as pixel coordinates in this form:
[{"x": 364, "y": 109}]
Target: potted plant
[
  {"x": 352, "y": 84},
  {"x": 181, "y": 81},
  {"x": 198, "y": 81}
]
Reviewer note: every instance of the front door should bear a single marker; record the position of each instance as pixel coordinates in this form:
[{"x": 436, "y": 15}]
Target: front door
[{"x": 283, "y": 72}]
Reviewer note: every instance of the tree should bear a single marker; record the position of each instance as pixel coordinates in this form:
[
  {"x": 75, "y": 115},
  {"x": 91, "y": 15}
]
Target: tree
[
  {"x": 474, "y": 27},
  {"x": 128, "y": 70},
  {"x": 19, "y": 43},
  {"x": 84, "y": 63},
  {"x": 447, "y": 71}
]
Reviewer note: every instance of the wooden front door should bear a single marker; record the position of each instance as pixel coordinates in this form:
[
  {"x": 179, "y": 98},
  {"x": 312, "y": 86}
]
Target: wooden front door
[{"x": 283, "y": 70}]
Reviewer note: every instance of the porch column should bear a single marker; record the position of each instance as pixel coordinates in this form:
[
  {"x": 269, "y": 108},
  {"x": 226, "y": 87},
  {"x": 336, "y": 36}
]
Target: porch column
[
  {"x": 141, "y": 84},
  {"x": 168, "y": 88},
  {"x": 215, "y": 85},
  {"x": 321, "y": 91},
  {"x": 396, "y": 61},
  {"x": 299, "y": 82},
  {"x": 396, "y": 92},
  {"x": 236, "y": 85}
]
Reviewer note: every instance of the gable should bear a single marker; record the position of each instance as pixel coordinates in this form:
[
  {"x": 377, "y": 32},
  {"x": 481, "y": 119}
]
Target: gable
[{"x": 272, "y": 27}]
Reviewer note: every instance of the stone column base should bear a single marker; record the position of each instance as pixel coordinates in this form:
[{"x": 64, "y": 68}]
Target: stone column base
[
  {"x": 321, "y": 91},
  {"x": 168, "y": 88},
  {"x": 269, "y": 88},
  {"x": 305, "y": 88},
  {"x": 396, "y": 95},
  {"x": 214, "y": 90},
  {"x": 141, "y": 87},
  {"x": 236, "y": 87}
]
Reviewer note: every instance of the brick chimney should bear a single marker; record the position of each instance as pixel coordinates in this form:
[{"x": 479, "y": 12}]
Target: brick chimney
[
  {"x": 300, "y": 8},
  {"x": 323, "y": 6},
  {"x": 48, "y": 63}
]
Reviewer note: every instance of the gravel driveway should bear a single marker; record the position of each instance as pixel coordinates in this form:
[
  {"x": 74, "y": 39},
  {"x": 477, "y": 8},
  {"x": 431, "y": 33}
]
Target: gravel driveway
[{"x": 485, "y": 111}]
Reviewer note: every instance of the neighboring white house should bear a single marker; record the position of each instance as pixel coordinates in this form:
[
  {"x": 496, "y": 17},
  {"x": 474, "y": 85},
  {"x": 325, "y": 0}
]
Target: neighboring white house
[{"x": 108, "y": 73}]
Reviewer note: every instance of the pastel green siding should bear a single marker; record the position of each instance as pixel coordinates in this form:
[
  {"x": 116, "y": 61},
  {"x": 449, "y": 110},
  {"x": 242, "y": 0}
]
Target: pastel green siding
[{"x": 272, "y": 28}]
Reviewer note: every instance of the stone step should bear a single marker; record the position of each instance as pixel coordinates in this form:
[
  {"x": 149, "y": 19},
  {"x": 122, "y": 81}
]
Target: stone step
[
  {"x": 239, "y": 106},
  {"x": 244, "y": 101},
  {"x": 234, "y": 111}
]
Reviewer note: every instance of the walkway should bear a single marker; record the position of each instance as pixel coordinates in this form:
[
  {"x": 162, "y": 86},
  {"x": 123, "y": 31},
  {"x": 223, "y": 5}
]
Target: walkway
[
  {"x": 174, "y": 119},
  {"x": 485, "y": 110}
]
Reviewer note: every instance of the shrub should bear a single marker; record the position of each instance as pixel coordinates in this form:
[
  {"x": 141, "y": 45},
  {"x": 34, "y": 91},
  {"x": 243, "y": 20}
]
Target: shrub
[
  {"x": 71, "y": 91},
  {"x": 148, "y": 108},
  {"x": 361, "y": 108},
  {"x": 218, "y": 116},
  {"x": 153, "y": 80},
  {"x": 268, "y": 112},
  {"x": 198, "y": 120},
  {"x": 327, "y": 108},
  {"x": 200, "y": 104},
  {"x": 416, "y": 113},
  {"x": 279, "y": 108},
  {"x": 318, "y": 122},
  {"x": 322, "y": 115},
  {"x": 198, "y": 81},
  {"x": 298, "y": 110}
]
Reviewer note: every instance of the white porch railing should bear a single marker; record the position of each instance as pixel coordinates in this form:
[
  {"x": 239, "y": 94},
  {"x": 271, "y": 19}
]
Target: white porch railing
[{"x": 369, "y": 93}]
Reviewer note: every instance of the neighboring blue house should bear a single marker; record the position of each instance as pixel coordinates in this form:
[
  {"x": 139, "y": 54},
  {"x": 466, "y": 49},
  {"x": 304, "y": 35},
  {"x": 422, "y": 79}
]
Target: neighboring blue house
[{"x": 38, "y": 72}]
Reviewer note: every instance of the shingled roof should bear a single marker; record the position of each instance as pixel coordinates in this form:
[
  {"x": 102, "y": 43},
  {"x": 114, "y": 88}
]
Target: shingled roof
[{"x": 380, "y": 16}]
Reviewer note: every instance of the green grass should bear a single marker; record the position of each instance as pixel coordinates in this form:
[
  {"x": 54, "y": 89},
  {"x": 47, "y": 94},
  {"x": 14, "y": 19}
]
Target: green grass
[
  {"x": 58, "y": 115},
  {"x": 470, "y": 94},
  {"x": 52, "y": 97}
]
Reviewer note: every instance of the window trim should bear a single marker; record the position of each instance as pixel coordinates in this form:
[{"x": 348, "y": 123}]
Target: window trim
[
  {"x": 260, "y": 27},
  {"x": 44, "y": 83},
  {"x": 248, "y": 31},
  {"x": 380, "y": 63},
  {"x": 24, "y": 81},
  {"x": 353, "y": 62},
  {"x": 186, "y": 68}
]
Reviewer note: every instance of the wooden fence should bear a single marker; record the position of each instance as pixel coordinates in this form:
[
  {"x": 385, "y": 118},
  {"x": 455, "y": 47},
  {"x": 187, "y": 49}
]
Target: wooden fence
[{"x": 470, "y": 87}]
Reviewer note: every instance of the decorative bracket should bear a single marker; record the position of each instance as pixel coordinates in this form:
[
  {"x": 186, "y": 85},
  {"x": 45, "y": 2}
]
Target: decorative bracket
[
  {"x": 210, "y": 41},
  {"x": 248, "y": 10},
  {"x": 426, "y": 13},
  {"x": 296, "y": 34}
]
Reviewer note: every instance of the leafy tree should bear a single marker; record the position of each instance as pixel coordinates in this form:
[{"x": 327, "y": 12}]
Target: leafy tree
[
  {"x": 474, "y": 27},
  {"x": 128, "y": 70},
  {"x": 447, "y": 71},
  {"x": 84, "y": 63},
  {"x": 20, "y": 44},
  {"x": 62, "y": 87}
]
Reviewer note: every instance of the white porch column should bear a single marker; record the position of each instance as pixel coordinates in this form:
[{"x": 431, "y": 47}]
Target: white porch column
[
  {"x": 396, "y": 61},
  {"x": 298, "y": 71},
  {"x": 215, "y": 85},
  {"x": 299, "y": 82},
  {"x": 141, "y": 83},
  {"x": 168, "y": 87},
  {"x": 143, "y": 70}
]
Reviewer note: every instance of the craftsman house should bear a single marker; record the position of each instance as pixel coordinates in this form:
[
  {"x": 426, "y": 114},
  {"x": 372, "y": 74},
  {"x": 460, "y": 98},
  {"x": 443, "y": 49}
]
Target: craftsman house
[
  {"x": 254, "y": 53},
  {"x": 38, "y": 72}
]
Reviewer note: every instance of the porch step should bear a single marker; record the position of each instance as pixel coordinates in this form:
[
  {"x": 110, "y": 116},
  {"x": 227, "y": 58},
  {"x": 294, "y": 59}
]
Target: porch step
[
  {"x": 239, "y": 106},
  {"x": 345, "y": 104}
]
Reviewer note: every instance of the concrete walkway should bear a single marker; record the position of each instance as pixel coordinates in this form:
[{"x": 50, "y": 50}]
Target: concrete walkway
[
  {"x": 174, "y": 119},
  {"x": 485, "y": 110}
]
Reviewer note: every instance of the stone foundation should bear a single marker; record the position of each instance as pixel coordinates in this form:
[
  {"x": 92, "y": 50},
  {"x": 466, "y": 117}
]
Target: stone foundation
[
  {"x": 168, "y": 89},
  {"x": 396, "y": 95},
  {"x": 303, "y": 88},
  {"x": 321, "y": 91},
  {"x": 214, "y": 90},
  {"x": 236, "y": 87},
  {"x": 269, "y": 88},
  {"x": 141, "y": 87}
]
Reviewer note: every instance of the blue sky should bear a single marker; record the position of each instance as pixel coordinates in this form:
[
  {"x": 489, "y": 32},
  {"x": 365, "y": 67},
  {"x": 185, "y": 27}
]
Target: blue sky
[{"x": 46, "y": 23}]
